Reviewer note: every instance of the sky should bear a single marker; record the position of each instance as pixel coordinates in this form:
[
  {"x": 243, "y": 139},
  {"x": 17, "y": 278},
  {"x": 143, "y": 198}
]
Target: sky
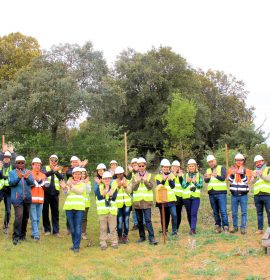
[{"x": 226, "y": 35}]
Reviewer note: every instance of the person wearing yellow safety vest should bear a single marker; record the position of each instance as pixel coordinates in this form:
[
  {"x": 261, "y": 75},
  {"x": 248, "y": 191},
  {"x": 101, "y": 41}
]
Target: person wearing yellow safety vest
[
  {"x": 5, "y": 191},
  {"x": 101, "y": 168},
  {"x": 142, "y": 186},
  {"x": 166, "y": 179},
  {"x": 51, "y": 196},
  {"x": 86, "y": 180},
  {"x": 107, "y": 210},
  {"x": 113, "y": 165},
  {"x": 178, "y": 190},
  {"x": 123, "y": 202},
  {"x": 261, "y": 188},
  {"x": 192, "y": 184},
  {"x": 75, "y": 206},
  {"x": 215, "y": 178}
]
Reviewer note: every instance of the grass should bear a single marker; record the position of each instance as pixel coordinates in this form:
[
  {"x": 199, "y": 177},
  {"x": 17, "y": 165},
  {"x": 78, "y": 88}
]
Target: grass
[{"x": 205, "y": 256}]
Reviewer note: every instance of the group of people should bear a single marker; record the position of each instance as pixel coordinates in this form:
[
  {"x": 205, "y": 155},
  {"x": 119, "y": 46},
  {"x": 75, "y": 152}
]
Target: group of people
[{"x": 33, "y": 192}]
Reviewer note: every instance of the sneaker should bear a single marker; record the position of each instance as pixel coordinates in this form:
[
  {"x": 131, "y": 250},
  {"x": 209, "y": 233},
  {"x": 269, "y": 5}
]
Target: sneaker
[
  {"x": 135, "y": 227},
  {"x": 259, "y": 231},
  {"x": 226, "y": 229},
  {"x": 243, "y": 231},
  {"x": 84, "y": 236},
  {"x": 153, "y": 241},
  {"x": 57, "y": 235},
  {"x": 47, "y": 233},
  {"x": 125, "y": 239},
  {"x": 234, "y": 230},
  {"x": 141, "y": 239},
  {"x": 218, "y": 229},
  {"x": 36, "y": 238}
]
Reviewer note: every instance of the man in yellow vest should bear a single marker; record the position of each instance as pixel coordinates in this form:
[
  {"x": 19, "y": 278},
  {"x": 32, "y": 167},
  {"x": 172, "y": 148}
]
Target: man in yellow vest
[
  {"x": 51, "y": 196},
  {"x": 261, "y": 187},
  {"x": 142, "y": 185},
  {"x": 215, "y": 178}
]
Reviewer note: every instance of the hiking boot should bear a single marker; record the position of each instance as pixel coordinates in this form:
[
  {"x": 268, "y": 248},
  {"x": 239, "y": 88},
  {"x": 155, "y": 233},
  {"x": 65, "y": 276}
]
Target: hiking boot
[
  {"x": 259, "y": 231},
  {"x": 234, "y": 230},
  {"x": 226, "y": 229},
  {"x": 84, "y": 236},
  {"x": 141, "y": 239},
  {"x": 153, "y": 241},
  {"x": 125, "y": 239},
  {"x": 243, "y": 231},
  {"x": 218, "y": 229}
]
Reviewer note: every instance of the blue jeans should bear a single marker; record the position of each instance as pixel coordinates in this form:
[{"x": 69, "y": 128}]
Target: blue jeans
[
  {"x": 123, "y": 217},
  {"x": 243, "y": 201},
  {"x": 35, "y": 213},
  {"x": 74, "y": 218},
  {"x": 219, "y": 206},
  {"x": 146, "y": 213},
  {"x": 260, "y": 202},
  {"x": 192, "y": 207}
]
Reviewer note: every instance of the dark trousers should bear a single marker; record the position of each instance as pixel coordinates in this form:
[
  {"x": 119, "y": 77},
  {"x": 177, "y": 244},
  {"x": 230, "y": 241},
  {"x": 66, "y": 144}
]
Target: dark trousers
[
  {"x": 123, "y": 218},
  {"x": 179, "y": 206},
  {"x": 262, "y": 201},
  {"x": 192, "y": 207},
  {"x": 51, "y": 201},
  {"x": 146, "y": 213},
  {"x": 21, "y": 218},
  {"x": 5, "y": 194},
  {"x": 74, "y": 218},
  {"x": 170, "y": 211},
  {"x": 84, "y": 220}
]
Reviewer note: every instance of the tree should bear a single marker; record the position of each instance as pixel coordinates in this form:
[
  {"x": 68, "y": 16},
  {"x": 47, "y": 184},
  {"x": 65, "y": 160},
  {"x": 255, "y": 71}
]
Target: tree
[
  {"x": 16, "y": 52},
  {"x": 180, "y": 120}
]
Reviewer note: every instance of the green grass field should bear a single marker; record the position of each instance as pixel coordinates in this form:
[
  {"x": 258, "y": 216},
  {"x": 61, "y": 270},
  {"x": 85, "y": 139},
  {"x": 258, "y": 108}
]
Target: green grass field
[{"x": 206, "y": 256}]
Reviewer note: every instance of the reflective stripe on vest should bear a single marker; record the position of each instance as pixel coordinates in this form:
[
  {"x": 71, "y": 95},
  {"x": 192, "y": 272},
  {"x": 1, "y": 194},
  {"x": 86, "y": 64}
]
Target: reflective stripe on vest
[
  {"x": 170, "y": 192},
  {"x": 75, "y": 201},
  {"x": 56, "y": 180},
  {"x": 260, "y": 185},
  {"x": 142, "y": 193},
  {"x": 102, "y": 209},
  {"x": 5, "y": 171},
  {"x": 122, "y": 198},
  {"x": 178, "y": 190},
  {"x": 187, "y": 193},
  {"x": 214, "y": 183}
]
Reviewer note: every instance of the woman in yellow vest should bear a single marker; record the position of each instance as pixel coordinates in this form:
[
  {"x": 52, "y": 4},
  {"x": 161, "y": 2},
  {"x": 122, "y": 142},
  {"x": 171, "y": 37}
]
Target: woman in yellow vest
[
  {"x": 178, "y": 190},
  {"x": 86, "y": 180},
  {"x": 75, "y": 206},
  {"x": 166, "y": 179},
  {"x": 261, "y": 187},
  {"x": 123, "y": 202},
  {"x": 107, "y": 210},
  {"x": 192, "y": 184}
]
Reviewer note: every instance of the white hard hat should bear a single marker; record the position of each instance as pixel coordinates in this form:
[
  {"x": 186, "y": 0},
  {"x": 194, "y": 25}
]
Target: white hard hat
[
  {"x": 134, "y": 160},
  {"x": 107, "y": 174},
  {"x": 113, "y": 161},
  {"x": 239, "y": 156},
  {"x": 165, "y": 162},
  {"x": 119, "y": 170},
  {"x": 7, "y": 154},
  {"x": 141, "y": 160},
  {"x": 74, "y": 158},
  {"x": 18, "y": 158},
  {"x": 76, "y": 169},
  {"x": 258, "y": 158},
  {"x": 210, "y": 157},
  {"x": 192, "y": 161},
  {"x": 54, "y": 156},
  {"x": 101, "y": 166},
  {"x": 176, "y": 163},
  {"x": 83, "y": 169},
  {"x": 37, "y": 160}
]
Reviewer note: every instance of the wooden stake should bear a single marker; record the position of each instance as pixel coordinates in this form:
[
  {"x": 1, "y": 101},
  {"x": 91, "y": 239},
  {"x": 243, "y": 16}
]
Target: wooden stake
[
  {"x": 163, "y": 223},
  {"x": 3, "y": 142},
  {"x": 126, "y": 153}
]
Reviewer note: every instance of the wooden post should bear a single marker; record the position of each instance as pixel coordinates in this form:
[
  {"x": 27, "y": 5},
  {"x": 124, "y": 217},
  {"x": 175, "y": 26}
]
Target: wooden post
[
  {"x": 163, "y": 223},
  {"x": 126, "y": 153},
  {"x": 227, "y": 162},
  {"x": 3, "y": 142}
]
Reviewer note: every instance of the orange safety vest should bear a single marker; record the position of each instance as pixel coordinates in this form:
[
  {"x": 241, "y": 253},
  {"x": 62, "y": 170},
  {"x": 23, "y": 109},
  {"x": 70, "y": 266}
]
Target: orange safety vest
[{"x": 37, "y": 191}]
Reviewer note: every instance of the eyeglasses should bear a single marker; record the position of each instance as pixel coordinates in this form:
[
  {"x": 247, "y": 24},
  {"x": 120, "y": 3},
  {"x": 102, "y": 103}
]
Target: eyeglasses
[
  {"x": 54, "y": 160},
  {"x": 20, "y": 162},
  {"x": 141, "y": 165}
]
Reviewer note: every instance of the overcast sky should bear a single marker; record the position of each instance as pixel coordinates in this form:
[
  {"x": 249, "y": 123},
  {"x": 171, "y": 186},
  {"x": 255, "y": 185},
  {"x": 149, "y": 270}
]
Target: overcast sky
[{"x": 227, "y": 35}]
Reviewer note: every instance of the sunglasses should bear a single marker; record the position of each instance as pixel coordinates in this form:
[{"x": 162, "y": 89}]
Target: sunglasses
[
  {"x": 20, "y": 162},
  {"x": 141, "y": 165}
]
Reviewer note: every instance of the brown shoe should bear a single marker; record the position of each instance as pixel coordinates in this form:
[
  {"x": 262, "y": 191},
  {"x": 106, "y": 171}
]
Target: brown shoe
[
  {"x": 234, "y": 230},
  {"x": 259, "y": 231},
  {"x": 57, "y": 235},
  {"x": 218, "y": 229},
  {"x": 125, "y": 239},
  {"x": 47, "y": 233}
]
